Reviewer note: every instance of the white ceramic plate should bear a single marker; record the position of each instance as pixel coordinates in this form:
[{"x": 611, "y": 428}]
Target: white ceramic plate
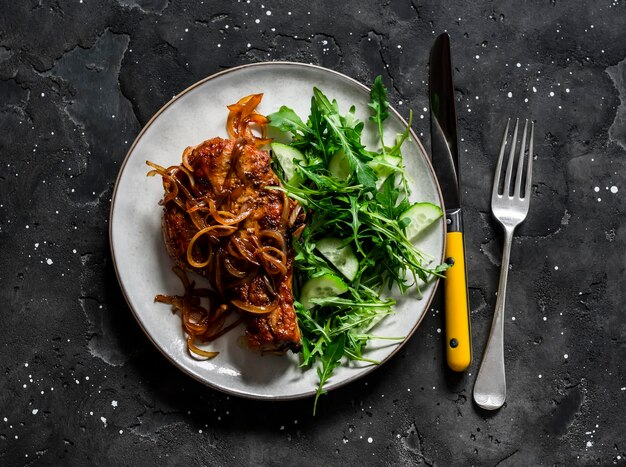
[{"x": 144, "y": 268}]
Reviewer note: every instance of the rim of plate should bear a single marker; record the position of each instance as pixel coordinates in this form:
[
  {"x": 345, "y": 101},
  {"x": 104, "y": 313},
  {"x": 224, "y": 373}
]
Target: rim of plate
[{"x": 180, "y": 366}]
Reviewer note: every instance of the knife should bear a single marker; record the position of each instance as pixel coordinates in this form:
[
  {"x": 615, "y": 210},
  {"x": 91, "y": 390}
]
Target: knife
[{"x": 445, "y": 160}]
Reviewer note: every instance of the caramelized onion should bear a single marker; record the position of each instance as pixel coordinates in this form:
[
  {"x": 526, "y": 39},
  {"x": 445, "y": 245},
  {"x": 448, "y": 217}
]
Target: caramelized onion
[
  {"x": 242, "y": 116},
  {"x": 203, "y": 353},
  {"x": 277, "y": 237},
  {"x": 273, "y": 265},
  {"x": 186, "y": 153},
  {"x": 171, "y": 189},
  {"x": 298, "y": 231},
  {"x": 239, "y": 242},
  {"x": 233, "y": 270},
  {"x": 295, "y": 212},
  {"x": 217, "y": 230},
  {"x": 186, "y": 171},
  {"x": 269, "y": 285},
  {"x": 205, "y": 324},
  {"x": 219, "y": 215}
]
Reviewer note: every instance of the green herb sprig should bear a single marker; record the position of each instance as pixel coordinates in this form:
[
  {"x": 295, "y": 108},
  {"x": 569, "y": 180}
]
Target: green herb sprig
[{"x": 363, "y": 211}]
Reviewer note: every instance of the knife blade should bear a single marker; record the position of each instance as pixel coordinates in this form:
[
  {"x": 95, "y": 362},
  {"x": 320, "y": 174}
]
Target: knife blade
[{"x": 445, "y": 160}]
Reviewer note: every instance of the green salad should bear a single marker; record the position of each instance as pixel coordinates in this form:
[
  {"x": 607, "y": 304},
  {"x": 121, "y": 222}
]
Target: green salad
[{"x": 361, "y": 228}]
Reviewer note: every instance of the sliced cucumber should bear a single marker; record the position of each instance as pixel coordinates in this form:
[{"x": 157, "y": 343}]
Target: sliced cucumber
[
  {"x": 287, "y": 157},
  {"x": 343, "y": 258},
  {"x": 324, "y": 286},
  {"x": 421, "y": 216},
  {"x": 383, "y": 167},
  {"x": 339, "y": 167}
]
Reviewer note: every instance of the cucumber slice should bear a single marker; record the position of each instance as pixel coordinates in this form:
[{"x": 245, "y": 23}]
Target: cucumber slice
[
  {"x": 339, "y": 167},
  {"x": 327, "y": 285},
  {"x": 343, "y": 258},
  {"x": 421, "y": 216},
  {"x": 287, "y": 158},
  {"x": 383, "y": 167}
]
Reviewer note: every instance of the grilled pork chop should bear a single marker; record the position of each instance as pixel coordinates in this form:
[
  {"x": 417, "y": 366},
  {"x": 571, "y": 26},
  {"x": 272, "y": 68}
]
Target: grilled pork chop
[{"x": 234, "y": 176}]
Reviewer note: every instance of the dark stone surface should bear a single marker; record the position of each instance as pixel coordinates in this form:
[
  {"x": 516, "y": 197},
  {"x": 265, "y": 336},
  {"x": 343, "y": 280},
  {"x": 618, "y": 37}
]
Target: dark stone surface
[{"x": 81, "y": 385}]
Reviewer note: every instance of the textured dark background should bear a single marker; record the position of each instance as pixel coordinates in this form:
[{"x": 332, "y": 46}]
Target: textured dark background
[{"x": 82, "y": 385}]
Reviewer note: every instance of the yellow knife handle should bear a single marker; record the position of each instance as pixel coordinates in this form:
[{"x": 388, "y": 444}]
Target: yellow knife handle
[{"x": 457, "y": 323}]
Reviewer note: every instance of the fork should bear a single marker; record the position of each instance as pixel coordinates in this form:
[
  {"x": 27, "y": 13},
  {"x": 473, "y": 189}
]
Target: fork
[{"x": 510, "y": 210}]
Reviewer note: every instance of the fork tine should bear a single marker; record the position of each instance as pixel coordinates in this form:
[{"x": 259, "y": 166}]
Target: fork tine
[
  {"x": 496, "y": 181},
  {"x": 529, "y": 169},
  {"x": 520, "y": 163},
  {"x": 509, "y": 165}
]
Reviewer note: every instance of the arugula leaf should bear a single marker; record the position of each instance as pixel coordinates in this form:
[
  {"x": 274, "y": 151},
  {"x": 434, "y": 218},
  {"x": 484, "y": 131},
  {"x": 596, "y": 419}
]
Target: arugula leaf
[
  {"x": 347, "y": 131},
  {"x": 331, "y": 359},
  {"x": 378, "y": 101},
  {"x": 379, "y": 104},
  {"x": 287, "y": 120},
  {"x": 317, "y": 125}
]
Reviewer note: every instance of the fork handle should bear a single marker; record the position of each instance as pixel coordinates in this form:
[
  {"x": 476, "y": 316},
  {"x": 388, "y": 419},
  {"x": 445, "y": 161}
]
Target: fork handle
[{"x": 490, "y": 385}]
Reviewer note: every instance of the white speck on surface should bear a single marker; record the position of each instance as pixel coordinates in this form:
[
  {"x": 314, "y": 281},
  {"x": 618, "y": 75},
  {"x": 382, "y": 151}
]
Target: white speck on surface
[
  {"x": 596, "y": 189},
  {"x": 257, "y": 21},
  {"x": 599, "y": 199},
  {"x": 35, "y": 411},
  {"x": 103, "y": 420},
  {"x": 539, "y": 376},
  {"x": 567, "y": 90},
  {"x": 551, "y": 93},
  {"x": 121, "y": 431},
  {"x": 565, "y": 356},
  {"x": 114, "y": 404},
  {"x": 589, "y": 444},
  {"x": 556, "y": 268},
  {"x": 512, "y": 318},
  {"x": 614, "y": 189},
  {"x": 438, "y": 330},
  {"x": 534, "y": 89},
  {"x": 545, "y": 319},
  {"x": 370, "y": 440},
  {"x": 6, "y": 419},
  {"x": 518, "y": 65},
  {"x": 49, "y": 261},
  {"x": 268, "y": 13},
  {"x": 510, "y": 94},
  {"x": 477, "y": 57},
  {"x": 43, "y": 94},
  {"x": 26, "y": 364}
]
